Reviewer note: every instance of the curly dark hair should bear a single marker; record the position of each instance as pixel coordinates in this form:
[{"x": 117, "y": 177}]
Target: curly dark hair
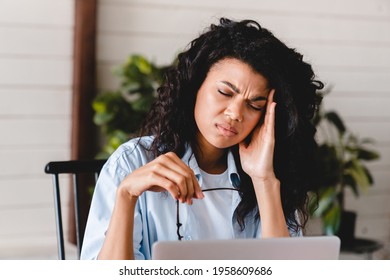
[{"x": 171, "y": 120}]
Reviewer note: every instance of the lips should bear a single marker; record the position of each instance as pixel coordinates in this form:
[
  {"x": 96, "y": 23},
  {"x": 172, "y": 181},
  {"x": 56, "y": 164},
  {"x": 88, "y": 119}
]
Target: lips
[{"x": 226, "y": 129}]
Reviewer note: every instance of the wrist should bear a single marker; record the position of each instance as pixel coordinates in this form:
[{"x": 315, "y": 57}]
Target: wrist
[
  {"x": 268, "y": 184},
  {"x": 124, "y": 195}
]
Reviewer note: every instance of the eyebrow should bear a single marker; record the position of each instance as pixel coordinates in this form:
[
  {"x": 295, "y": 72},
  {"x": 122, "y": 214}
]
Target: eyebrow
[
  {"x": 233, "y": 87},
  {"x": 236, "y": 90},
  {"x": 260, "y": 98}
]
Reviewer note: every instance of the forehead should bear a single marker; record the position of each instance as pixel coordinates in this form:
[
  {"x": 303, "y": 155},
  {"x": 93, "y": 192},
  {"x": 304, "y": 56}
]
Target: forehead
[{"x": 238, "y": 73}]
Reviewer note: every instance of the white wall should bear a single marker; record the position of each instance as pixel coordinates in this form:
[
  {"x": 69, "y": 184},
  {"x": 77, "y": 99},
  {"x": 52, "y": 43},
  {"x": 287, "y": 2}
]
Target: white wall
[
  {"x": 36, "y": 42},
  {"x": 347, "y": 41}
]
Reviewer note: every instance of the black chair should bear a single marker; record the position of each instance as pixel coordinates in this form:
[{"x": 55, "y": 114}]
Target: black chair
[{"x": 76, "y": 168}]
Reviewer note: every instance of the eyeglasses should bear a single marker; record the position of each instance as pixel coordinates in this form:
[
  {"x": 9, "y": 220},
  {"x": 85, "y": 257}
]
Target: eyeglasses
[{"x": 178, "y": 224}]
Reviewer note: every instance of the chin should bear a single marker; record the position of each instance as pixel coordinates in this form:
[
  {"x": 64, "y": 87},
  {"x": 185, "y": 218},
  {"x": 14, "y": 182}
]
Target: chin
[{"x": 223, "y": 144}]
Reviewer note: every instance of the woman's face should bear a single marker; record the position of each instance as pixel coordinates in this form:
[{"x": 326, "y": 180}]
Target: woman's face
[{"x": 229, "y": 103}]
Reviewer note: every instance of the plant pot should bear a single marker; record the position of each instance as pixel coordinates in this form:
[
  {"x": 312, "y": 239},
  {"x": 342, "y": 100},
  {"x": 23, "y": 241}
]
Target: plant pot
[{"x": 346, "y": 231}]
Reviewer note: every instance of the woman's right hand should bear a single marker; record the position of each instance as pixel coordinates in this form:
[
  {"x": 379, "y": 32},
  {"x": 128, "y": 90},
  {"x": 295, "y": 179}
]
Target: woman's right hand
[{"x": 166, "y": 172}]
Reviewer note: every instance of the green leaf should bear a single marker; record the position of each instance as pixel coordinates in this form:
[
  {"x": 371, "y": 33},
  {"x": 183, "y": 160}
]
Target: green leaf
[
  {"x": 367, "y": 155},
  {"x": 367, "y": 141},
  {"x": 143, "y": 65},
  {"x": 350, "y": 181},
  {"x": 334, "y": 118},
  {"x": 331, "y": 221},
  {"x": 326, "y": 199},
  {"x": 131, "y": 86},
  {"x": 143, "y": 104},
  {"x": 102, "y": 118},
  {"x": 313, "y": 203},
  {"x": 358, "y": 173},
  {"x": 369, "y": 176},
  {"x": 99, "y": 106}
]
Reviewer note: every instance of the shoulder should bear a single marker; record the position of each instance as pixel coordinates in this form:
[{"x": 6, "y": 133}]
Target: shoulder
[
  {"x": 135, "y": 145},
  {"x": 131, "y": 155}
]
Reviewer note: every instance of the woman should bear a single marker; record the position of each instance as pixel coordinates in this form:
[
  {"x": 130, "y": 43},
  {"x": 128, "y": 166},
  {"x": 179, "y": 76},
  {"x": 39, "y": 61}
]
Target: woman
[{"x": 232, "y": 116}]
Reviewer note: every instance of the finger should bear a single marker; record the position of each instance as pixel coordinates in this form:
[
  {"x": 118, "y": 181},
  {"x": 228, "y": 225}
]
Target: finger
[
  {"x": 182, "y": 175},
  {"x": 269, "y": 120},
  {"x": 270, "y": 97},
  {"x": 180, "y": 183},
  {"x": 160, "y": 170},
  {"x": 270, "y": 100},
  {"x": 161, "y": 183},
  {"x": 185, "y": 184},
  {"x": 270, "y": 123},
  {"x": 195, "y": 190}
]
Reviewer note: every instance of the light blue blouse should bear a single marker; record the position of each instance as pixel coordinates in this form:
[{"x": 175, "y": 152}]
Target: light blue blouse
[{"x": 155, "y": 213}]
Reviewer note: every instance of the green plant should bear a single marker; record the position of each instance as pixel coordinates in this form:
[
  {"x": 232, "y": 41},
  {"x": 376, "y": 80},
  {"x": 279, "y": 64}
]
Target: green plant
[
  {"x": 120, "y": 112},
  {"x": 341, "y": 160}
]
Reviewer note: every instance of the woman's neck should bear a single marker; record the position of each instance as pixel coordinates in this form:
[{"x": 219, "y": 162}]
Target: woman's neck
[{"x": 210, "y": 159}]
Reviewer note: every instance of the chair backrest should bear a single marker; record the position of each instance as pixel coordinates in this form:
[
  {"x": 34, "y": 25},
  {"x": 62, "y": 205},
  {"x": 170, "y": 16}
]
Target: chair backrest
[{"x": 76, "y": 168}]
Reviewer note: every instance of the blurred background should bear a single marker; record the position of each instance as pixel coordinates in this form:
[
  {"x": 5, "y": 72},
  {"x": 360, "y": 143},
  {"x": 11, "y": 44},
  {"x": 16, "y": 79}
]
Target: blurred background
[{"x": 346, "y": 41}]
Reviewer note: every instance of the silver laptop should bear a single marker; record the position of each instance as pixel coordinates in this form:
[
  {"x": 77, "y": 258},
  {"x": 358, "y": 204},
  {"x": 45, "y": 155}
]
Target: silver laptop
[{"x": 294, "y": 248}]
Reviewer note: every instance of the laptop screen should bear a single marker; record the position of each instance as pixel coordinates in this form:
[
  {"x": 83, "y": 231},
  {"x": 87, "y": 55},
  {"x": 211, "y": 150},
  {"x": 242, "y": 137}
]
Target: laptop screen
[{"x": 285, "y": 248}]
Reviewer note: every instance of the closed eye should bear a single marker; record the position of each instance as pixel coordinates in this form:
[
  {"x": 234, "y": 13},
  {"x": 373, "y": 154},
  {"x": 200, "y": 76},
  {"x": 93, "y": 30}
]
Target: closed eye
[
  {"x": 255, "y": 107},
  {"x": 257, "y": 103},
  {"x": 224, "y": 93}
]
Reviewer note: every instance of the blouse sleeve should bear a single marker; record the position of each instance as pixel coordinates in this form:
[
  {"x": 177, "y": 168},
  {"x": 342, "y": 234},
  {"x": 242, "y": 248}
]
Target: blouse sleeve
[{"x": 118, "y": 166}]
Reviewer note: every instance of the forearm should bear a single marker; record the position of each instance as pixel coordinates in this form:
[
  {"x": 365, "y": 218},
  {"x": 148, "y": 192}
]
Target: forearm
[
  {"x": 119, "y": 237},
  {"x": 273, "y": 222}
]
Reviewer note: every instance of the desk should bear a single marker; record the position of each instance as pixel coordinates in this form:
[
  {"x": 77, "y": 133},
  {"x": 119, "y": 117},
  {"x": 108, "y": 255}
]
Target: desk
[{"x": 361, "y": 246}]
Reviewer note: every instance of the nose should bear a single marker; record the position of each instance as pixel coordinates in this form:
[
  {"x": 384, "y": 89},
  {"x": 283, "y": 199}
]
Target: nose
[{"x": 234, "y": 111}]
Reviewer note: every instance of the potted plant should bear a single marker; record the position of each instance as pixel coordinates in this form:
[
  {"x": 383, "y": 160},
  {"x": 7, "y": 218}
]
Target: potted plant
[
  {"x": 342, "y": 158},
  {"x": 120, "y": 112}
]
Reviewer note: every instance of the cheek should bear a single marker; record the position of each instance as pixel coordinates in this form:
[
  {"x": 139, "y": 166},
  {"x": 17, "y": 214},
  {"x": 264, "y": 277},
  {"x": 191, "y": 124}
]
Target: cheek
[
  {"x": 207, "y": 104},
  {"x": 251, "y": 122},
  {"x": 200, "y": 106}
]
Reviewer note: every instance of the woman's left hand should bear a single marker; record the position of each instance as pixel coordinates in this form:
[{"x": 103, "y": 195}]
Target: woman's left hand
[
  {"x": 257, "y": 156},
  {"x": 257, "y": 162}
]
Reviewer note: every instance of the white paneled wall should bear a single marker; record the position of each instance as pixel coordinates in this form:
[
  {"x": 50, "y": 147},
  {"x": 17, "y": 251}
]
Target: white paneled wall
[
  {"x": 347, "y": 41},
  {"x": 36, "y": 41}
]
